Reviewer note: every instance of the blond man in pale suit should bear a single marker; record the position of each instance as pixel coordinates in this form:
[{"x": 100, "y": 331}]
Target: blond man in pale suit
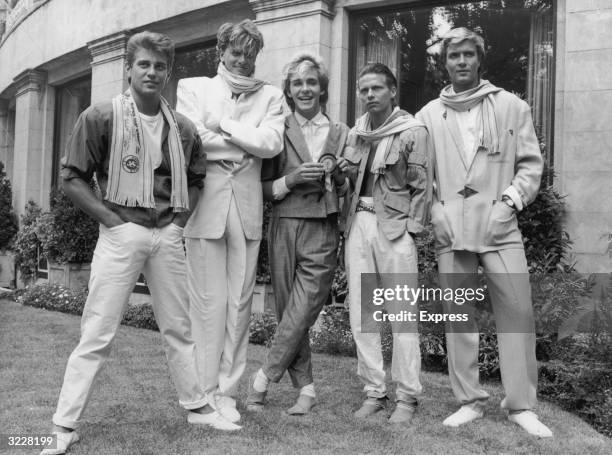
[
  {"x": 488, "y": 167},
  {"x": 240, "y": 121}
]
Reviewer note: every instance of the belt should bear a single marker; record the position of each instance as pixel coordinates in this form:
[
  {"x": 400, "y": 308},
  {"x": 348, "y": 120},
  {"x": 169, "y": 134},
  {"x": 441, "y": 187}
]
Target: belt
[{"x": 364, "y": 207}]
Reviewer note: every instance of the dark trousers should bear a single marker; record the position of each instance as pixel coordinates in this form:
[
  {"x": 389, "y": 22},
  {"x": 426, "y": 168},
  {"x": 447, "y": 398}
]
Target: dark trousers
[{"x": 302, "y": 255}]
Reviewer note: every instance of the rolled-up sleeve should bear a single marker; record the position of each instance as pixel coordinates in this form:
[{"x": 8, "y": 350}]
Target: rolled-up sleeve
[{"x": 86, "y": 147}]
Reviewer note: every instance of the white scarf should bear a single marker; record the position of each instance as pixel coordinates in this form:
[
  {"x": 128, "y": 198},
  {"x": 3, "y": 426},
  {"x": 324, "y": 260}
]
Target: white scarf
[
  {"x": 469, "y": 98},
  {"x": 397, "y": 122},
  {"x": 130, "y": 170},
  {"x": 239, "y": 84}
]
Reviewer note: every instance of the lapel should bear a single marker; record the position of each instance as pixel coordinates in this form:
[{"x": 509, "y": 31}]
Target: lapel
[
  {"x": 295, "y": 136},
  {"x": 450, "y": 120}
]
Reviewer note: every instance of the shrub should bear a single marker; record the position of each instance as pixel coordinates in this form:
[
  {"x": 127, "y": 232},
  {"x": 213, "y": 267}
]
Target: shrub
[
  {"x": 334, "y": 335},
  {"x": 261, "y": 328},
  {"x": 66, "y": 233},
  {"x": 8, "y": 224},
  {"x": 26, "y": 243},
  {"x": 263, "y": 262}
]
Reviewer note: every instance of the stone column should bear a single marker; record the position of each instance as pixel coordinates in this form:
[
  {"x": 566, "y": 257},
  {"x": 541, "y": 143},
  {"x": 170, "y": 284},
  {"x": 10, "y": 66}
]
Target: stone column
[
  {"x": 289, "y": 27},
  {"x": 7, "y": 133},
  {"x": 30, "y": 128},
  {"x": 108, "y": 76}
]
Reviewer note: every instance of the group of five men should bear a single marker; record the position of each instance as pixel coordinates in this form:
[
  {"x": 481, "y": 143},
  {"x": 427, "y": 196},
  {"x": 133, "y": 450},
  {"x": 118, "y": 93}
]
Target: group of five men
[{"x": 200, "y": 174}]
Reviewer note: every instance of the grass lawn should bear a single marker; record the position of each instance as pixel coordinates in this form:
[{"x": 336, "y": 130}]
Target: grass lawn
[{"x": 133, "y": 409}]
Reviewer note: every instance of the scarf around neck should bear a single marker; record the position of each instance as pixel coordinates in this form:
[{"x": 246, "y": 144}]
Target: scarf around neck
[
  {"x": 397, "y": 122},
  {"x": 463, "y": 101},
  {"x": 130, "y": 170},
  {"x": 239, "y": 84}
]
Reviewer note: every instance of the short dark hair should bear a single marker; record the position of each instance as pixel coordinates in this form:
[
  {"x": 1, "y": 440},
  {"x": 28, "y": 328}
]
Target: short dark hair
[
  {"x": 153, "y": 41},
  {"x": 460, "y": 34},
  {"x": 309, "y": 61},
  {"x": 379, "y": 68},
  {"x": 244, "y": 35}
]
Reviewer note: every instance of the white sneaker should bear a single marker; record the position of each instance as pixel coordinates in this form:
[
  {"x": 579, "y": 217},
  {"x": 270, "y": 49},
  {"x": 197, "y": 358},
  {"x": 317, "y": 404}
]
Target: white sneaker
[
  {"x": 227, "y": 408},
  {"x": 64, "y": 440},
  {"x": 529, "y": 422},
  {"x": 465, "y": 414},
  {"x": 213, "y": 419}
]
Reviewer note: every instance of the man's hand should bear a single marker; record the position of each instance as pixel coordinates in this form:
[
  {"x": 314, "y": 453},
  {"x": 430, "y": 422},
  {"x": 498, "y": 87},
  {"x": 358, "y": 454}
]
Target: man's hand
[
  {"x": 340, "y": 171},
  {"x": 212, "y": 123},
  {"x": 307, "y": 172}
]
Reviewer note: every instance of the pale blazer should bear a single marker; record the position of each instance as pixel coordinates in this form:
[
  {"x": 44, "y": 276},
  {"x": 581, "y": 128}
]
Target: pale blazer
[
  {"x": 467, "y": 213},
  {"x": 255, "y": 124}
]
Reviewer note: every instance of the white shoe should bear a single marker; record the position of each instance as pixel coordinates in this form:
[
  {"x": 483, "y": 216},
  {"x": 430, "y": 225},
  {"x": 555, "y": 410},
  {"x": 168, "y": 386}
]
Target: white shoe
[
  {"x": 529, "y": 422},
  {"x": 227, "y": 408},
  {"x": 64, "y": 440},
  {"x": 213, "y": 419},
  {"x": 465, "y": 414}
]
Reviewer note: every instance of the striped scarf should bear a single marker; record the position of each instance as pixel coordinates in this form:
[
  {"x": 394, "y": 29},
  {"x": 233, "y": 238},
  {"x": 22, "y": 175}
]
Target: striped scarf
[
  {"x": 239, "y": 84},
  {"x": 468, "y": 99},
  {"x": 397, "y": 122},
  {"x": 130, "y": 170}
]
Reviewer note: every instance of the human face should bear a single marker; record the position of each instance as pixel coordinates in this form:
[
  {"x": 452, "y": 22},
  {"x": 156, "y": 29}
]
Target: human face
[
  {"x": 305, "y": 91},
  {"x": 376, "y": 96},
  {"x": 462, "y": 64},
  {"x": 148, "y": 73},
  {"x": 237, "y": 61}
]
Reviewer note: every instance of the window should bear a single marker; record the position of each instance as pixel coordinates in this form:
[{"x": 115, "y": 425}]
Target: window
[
  {"x": 519, "y": 35},
  {"x": 192, "y": 61},
  {"x": 70, "y": 100}
]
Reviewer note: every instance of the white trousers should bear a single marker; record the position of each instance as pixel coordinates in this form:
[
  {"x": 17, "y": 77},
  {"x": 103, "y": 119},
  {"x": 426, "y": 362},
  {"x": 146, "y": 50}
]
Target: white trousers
[
  {"x": 121, "y": 253},
  {"x": 368, "y": 251},
  {"x": 221, "y": 279}
]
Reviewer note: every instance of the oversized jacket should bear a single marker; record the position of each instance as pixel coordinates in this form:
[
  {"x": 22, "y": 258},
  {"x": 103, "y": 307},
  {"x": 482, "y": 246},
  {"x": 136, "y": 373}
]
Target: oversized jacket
[
  {"x": 254, "y": 123},
  {"x": 402, "y": 195},
  {"x": 307, "y": 200},
  {"x": 467, "y": 213}
]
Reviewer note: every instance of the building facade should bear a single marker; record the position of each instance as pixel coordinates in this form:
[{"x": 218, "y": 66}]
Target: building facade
[{"x": 59, "y": 56}]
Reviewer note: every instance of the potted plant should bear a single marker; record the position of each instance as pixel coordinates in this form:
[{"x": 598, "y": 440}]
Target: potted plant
[
  {"x": 8, "y": 229},
  {"x": 67, "y": 237}
]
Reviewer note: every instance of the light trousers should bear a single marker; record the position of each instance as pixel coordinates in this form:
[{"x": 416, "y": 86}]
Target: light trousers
[
  {"x": 369, "y": 251},
  {"x": 121, "y": 254},
  {"x": 507, "y": 278},
  {"x": 221, "y": 280}
]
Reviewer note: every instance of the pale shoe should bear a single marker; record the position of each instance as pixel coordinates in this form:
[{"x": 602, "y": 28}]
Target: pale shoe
[
  {"x": 465, "y": 414},
  {"x": 227, "y": 408},
  {"x": 529, "y": 422},
  {"x": 371, "y": 406},
  {"x": 64, "y": 441},
  {"x": 213, "y": 419},
  {"x": 302, "y": 406}
]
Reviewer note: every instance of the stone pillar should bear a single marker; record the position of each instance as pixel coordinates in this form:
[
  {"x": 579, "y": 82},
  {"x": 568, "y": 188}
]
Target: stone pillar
[
  {"x": 289, "y": 27},
  {"x": 7, "y": 134},
  {"x": 583, "y": 129},
  {"x": 108, "y": 76},
  {"x": 30, "y": 128}
]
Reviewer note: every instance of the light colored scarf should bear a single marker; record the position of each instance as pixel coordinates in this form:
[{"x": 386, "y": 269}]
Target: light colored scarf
[
  {"x": 463, "y": 101},
  {"x": 239, "y": 84},
  {"x": 130, "y": 170},
  {"x": 397, "y": 122}
]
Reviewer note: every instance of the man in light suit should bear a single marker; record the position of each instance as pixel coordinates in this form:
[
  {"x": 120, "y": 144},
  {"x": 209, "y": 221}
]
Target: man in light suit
[
  {"x": 303, "y": 236},
  {"x": 240, "y": 121},
  {"x": 488, "y": 167}
]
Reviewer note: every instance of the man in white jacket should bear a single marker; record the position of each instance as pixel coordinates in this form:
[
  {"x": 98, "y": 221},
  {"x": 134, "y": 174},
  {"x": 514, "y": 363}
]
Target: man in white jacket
[{"x": 240, "y": 121}]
